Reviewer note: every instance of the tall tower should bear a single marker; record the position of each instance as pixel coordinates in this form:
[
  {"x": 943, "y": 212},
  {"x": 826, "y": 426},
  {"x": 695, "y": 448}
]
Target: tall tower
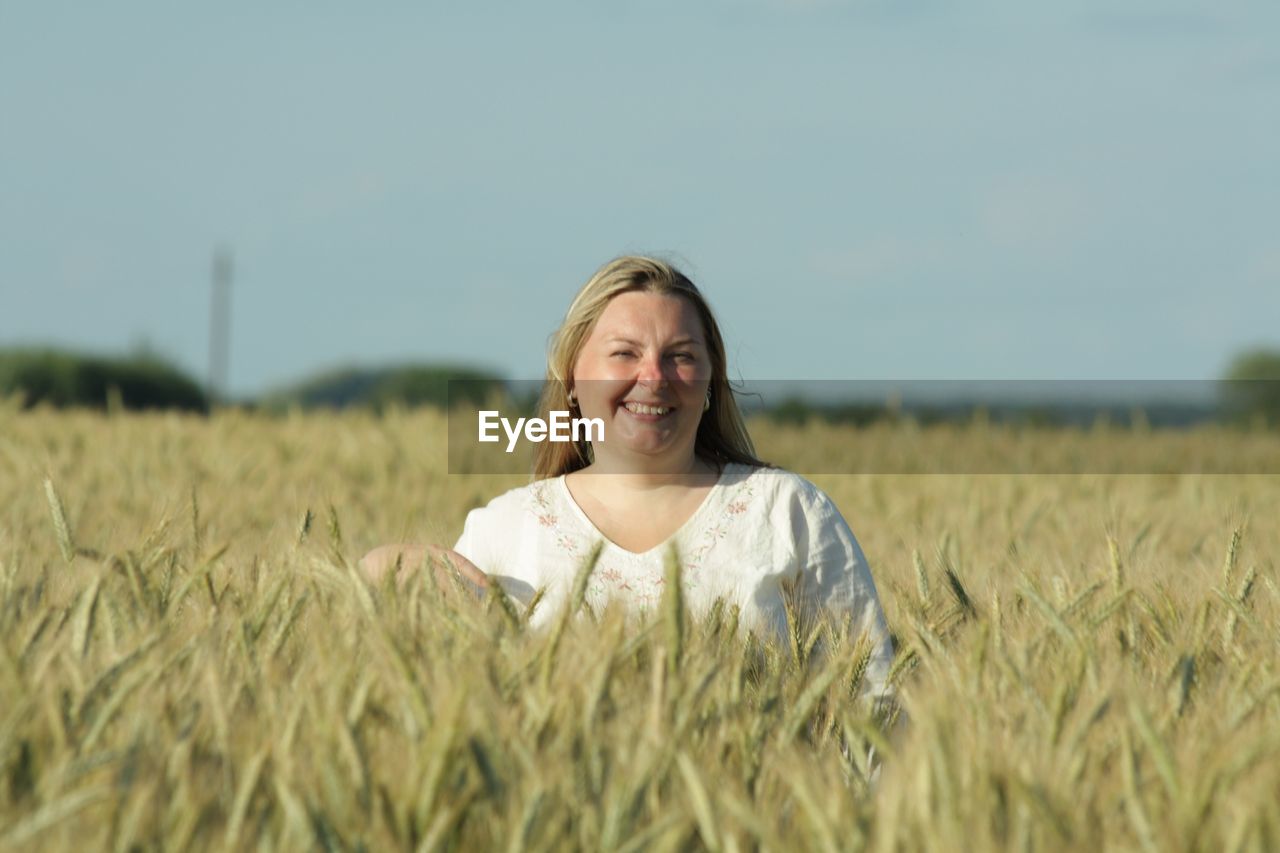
[{"x": 220, "y": 326}]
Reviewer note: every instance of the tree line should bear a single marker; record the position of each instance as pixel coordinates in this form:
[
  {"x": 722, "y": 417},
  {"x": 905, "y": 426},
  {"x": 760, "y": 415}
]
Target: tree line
[{"x": 1249, "y": 390}]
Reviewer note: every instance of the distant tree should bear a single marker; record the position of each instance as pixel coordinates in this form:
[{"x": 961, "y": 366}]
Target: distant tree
[
  {"x": 857, "y": 414},
  {"x": 380, "y": 388},
  {"x": 792, "y": 411},
  {"x": 432, "y": 386},
  {"x": 60, "y": 378},
  {"x": 1251, "y": 386}
]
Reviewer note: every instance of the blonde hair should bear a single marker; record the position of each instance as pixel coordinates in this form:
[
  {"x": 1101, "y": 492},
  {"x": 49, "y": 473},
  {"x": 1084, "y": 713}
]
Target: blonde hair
[{"x": 722, "y": 434}]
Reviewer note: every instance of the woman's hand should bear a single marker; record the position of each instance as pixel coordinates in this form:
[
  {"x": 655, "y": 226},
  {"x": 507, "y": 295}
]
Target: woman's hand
[{"x": 446, "y": 562}]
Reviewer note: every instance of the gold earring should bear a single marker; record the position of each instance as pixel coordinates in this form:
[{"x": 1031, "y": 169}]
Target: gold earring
[
  {"x": 706, "y": 404},
  {"x": 573, "y": 399}
]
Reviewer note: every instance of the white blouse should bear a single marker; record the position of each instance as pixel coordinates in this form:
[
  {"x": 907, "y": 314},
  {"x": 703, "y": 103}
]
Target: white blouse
[{"x": 757, "y": 528}]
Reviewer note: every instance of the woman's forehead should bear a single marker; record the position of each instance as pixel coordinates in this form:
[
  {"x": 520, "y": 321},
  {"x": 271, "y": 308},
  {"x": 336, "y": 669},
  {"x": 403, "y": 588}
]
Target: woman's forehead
[{"x": 638, "y": 314}]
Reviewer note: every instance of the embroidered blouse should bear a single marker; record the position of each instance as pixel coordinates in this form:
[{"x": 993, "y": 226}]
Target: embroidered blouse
[{"x": 757, "y": 529}]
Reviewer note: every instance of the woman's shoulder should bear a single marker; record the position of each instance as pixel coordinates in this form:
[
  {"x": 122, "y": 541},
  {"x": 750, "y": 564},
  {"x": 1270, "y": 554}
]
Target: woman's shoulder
[
  {"x": 520, "y": 499},
  {"x": 498, "y": 525},
  {"x": 775, "y": 483}
]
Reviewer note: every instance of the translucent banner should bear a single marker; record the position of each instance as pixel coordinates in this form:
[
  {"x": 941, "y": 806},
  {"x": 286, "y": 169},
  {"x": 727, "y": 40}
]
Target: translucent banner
[{"x": 877, "y": 426}]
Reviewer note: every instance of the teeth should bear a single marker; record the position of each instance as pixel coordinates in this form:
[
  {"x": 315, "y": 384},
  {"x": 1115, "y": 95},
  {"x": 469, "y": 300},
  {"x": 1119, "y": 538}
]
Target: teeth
[{"x": 642, "y": 409}]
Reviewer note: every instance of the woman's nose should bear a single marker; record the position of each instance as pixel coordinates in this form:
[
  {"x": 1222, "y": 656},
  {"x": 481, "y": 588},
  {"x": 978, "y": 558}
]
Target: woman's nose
[{"x": 650, "y": 369}]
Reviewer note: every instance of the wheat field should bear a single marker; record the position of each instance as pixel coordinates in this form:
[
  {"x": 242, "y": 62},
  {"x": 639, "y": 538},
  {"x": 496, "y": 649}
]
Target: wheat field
[{"x": 188, "y": 659}]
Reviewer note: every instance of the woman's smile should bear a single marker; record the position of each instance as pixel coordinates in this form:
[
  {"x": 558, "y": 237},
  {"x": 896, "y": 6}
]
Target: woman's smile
[{"x": 647, "y": 412}]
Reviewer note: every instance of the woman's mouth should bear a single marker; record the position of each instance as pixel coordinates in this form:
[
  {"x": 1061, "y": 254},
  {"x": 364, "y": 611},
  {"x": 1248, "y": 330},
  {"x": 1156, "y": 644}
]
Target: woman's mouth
[{"x": 645, "y": 410}]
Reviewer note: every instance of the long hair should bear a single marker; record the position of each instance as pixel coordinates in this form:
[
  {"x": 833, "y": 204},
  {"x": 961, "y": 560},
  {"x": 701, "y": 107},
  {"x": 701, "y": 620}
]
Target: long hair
[{"x": 722, "y": 434}]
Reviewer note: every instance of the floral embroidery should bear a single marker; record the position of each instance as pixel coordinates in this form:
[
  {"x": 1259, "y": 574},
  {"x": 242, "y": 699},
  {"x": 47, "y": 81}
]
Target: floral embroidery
[
  {"x": 540, "y": 505},
  {"x": 717, "y": 531},
  {"x": 637, "y": 580},
  {"x": 638, "y": 590}
]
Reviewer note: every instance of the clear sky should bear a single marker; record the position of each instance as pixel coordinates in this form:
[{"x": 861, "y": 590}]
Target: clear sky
[{"x": 890, "y": 189}]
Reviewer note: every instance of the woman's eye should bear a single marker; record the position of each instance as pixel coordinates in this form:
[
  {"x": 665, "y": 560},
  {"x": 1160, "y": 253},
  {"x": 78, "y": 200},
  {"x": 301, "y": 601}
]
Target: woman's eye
[
  {"x": 623, "y": 353},
  {"x": 683, "y": 356}
]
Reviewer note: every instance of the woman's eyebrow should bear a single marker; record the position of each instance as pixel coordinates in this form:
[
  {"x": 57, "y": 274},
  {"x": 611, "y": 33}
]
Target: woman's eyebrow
[{"x": 676, "y": 343}]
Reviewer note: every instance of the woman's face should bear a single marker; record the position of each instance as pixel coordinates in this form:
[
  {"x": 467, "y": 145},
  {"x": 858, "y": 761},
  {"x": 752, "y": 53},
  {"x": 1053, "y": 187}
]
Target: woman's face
[{"x": 644, "y": 371}]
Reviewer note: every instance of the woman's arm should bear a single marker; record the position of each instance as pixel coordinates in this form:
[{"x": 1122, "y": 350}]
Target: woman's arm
[
  {"x": 837, "y": 579},
  {"x": 381, "y": 560},
  {"x": 840, "y": 583}
]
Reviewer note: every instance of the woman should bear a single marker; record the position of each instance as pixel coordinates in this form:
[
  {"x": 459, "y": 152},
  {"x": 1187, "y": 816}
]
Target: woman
[{"x": 640, "y": 350}]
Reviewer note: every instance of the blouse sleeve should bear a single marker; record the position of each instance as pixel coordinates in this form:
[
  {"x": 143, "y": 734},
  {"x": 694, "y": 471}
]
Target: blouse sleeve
[
  {"x": 470, "y": 542},
  {"x": 838, "y": 580},
  {"x": 491, "y": 540}
]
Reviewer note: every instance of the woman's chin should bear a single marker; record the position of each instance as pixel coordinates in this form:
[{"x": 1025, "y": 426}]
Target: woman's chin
[{"x": 640, "y": 436}]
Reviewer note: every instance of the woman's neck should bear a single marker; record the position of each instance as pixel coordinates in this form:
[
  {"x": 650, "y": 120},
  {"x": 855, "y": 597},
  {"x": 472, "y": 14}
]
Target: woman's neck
[{"x": 624, "y": 473}]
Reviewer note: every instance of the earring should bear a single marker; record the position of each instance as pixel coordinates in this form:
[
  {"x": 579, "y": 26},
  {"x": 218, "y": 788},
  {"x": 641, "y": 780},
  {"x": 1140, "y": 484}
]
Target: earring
[
  {"x": 706, "y": 404},
  {"x": 573, "y": 399}
]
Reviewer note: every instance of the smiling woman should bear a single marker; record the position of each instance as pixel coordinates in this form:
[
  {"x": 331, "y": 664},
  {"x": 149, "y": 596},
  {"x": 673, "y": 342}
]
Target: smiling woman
[{"x": 640, "y": 352}]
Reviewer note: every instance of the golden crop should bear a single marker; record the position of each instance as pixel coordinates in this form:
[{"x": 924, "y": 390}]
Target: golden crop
[{"x": 189, "y": 660}]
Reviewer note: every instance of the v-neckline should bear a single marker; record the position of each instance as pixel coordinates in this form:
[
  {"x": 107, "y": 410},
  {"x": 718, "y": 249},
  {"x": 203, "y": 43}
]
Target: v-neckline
[{"x": 715, "y": 490}]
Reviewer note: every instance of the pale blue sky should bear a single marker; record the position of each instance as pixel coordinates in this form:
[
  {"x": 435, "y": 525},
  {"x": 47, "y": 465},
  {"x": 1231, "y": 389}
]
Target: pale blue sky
[{"x": 890, "y": 190}]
